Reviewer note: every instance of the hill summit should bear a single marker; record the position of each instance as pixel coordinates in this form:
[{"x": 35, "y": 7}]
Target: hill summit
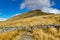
[{"x": 30, "y": 14}]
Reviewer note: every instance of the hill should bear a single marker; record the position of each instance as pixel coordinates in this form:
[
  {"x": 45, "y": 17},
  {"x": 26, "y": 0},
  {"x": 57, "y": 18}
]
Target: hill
[
  {"x": 27, "y": 17},
  {"x": 29, "y": 14},
  {"x": 32, "y": 25}
]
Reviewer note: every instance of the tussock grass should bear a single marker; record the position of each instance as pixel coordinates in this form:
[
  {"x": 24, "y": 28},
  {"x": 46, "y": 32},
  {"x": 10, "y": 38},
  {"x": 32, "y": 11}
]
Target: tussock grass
[{"x": 29, "y": 19}]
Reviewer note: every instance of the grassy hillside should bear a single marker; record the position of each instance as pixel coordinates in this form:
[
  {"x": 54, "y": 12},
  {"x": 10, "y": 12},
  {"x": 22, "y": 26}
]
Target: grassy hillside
[
  {"x": 29, "y": 18},
  {"x": 32, "y": 25},
  {"x": 29, "y": 14}
]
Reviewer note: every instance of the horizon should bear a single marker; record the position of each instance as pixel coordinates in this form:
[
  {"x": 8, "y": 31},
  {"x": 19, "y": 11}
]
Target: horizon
[{"x": 9, "y": 8}]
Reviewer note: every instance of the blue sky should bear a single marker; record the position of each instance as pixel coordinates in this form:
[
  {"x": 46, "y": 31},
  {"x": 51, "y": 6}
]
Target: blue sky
[
  {"x": 57, "y": 4},
  {"x": 8, "y": 8}
]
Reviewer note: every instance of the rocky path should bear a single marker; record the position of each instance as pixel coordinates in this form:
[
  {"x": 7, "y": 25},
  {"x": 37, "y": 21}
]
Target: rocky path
[{"x": 29, "y": 29}]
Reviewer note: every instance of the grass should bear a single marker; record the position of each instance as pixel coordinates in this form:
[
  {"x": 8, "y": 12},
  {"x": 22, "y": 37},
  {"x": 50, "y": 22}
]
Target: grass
[
  {"x": 37, "y": 34},
  {"x": 29, "y": 19},
  {"x": 8, "y": 35},
  {"x": 36, "y": 20}
]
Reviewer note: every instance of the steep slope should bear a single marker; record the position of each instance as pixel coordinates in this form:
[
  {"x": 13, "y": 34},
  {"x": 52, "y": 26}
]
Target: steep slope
[{"x": 33, "y": 25}]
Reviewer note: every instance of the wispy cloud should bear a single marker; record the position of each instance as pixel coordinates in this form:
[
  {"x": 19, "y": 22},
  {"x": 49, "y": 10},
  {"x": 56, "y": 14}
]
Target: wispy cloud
[
  {"x": 2, "y": 19},
  {"x": 51, "y": 10},
  {"x": 44, "y": 5},
  {"x": 22, "y": 6},
  {"x": 15, "y": 14}
]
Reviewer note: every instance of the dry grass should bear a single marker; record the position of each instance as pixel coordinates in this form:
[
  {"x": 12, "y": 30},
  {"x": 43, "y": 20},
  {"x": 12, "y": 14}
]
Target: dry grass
[
  {"x": 40, "y": 34},
  {"x": 51, "y": 34},
  {"x": 37, "y": 20},
  {"x": 8, "y": 35},
  {"x": 36, "y": 34},
  {"x": 29, "y": 20}
]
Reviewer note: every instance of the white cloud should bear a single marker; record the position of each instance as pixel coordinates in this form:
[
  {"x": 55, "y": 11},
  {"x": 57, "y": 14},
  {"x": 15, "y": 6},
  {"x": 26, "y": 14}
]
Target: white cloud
[
  {"x": 2, "y": 19},
  {"x": 36, "y": 4},
  {"x": 22, "y": 6},
  {"x": 15, "y": 14},
  {"x": 51, "y": 10},
  {"x": 44, "y": 5}
]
